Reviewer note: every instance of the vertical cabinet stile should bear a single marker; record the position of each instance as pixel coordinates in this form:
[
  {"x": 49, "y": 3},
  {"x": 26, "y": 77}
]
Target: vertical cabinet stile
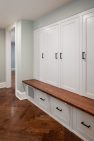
[
  {"x": 70, "y": 48},
  {"x": 88, "y": 60}
]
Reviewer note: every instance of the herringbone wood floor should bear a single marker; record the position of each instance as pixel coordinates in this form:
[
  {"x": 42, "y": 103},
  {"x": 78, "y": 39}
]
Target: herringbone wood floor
[{"x": 22, "y": 121}]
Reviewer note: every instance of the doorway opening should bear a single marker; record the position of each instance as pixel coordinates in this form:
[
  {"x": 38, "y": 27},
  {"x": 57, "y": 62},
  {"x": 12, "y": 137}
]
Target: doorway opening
[
  {"x": 10, "y": 42},
  {"x": 13, "y": 58}
]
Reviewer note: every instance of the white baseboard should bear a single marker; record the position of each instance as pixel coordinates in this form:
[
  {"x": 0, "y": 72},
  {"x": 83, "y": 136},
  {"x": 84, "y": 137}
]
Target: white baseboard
[
  {"x": 3, "y": 85},
  {"x": 12, "y": 69},
  {"x": 21, "y": 95}
]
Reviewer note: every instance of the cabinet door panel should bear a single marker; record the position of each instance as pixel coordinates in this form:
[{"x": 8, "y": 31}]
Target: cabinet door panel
[
  {"x": 53, "y": 55},
  {"x": 88, "y": 63},
  {"x": 49, "y": 46},
  {"x": 70, "y": 57}
]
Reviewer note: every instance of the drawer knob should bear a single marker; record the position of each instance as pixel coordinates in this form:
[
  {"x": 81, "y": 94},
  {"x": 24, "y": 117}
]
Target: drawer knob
[
  {"x": 59, "y": 109},
  {"x": 42, "y": 99},
  {"x": 88, "y": 126}
]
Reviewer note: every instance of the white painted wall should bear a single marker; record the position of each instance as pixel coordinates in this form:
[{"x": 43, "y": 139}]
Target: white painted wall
[{"x": 24, "y": 52}]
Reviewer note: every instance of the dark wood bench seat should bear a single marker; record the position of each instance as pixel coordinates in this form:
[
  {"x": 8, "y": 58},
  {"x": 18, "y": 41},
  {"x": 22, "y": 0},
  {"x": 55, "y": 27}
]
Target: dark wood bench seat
[{"x": 73, "y": 99}]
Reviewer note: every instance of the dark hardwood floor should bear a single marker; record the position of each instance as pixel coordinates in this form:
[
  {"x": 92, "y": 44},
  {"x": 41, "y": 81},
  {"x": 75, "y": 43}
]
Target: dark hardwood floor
[
  {"x": 22, "y": 121},
  {"x": 13, "y": 79}
]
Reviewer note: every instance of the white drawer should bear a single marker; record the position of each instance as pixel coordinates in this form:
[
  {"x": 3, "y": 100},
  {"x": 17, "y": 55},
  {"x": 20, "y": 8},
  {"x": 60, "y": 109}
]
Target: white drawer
[
  {"x": 42, "y": 99},
  {"x": 61, "y": 111},
  {"x": 84, "y": 124}
]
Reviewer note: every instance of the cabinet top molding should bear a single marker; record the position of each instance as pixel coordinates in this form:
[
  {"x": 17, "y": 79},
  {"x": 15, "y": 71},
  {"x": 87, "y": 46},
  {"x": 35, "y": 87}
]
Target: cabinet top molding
[{"x": 73, "y": 99}]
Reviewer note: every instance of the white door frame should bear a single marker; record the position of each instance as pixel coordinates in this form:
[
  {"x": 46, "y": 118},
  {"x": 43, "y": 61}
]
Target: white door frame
[{"x": 8, "y": 56}]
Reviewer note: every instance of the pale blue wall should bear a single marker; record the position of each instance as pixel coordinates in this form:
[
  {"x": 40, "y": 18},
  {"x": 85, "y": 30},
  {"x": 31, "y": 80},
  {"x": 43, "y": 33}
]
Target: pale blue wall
[
  {"x": 72, "y": 8},
  {"x": 24, "y": 52},
  {"x": 2, "y": 55}
]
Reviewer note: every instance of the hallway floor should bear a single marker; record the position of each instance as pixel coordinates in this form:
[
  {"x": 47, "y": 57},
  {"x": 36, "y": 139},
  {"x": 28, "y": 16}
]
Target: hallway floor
[
  {"x": 13, "y": 79},
  {"x": 22, "y": 121}
]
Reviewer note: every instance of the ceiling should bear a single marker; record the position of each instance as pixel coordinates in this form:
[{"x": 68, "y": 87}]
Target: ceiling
[{"x": 13, "y": 10}]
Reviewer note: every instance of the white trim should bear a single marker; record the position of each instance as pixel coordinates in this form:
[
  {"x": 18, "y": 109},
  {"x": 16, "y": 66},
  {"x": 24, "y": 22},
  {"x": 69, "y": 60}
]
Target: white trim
[
  {"x": 12, "y": 69},
  {"x": 89, "y": 95},
  {"x": 21, "y": 95},
  {"x": 3, "y": 85},
  {"x": 8, "y": 59},
  {"x": 8, "y": 55},
  {"x": 87, "y": 12},
  {"x": 66, "y": 19}
]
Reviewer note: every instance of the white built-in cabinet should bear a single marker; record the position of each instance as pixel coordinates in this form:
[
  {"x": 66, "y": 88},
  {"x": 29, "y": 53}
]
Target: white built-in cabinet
[
  {"x": 64, "y": 54},
  {"x": 76, "y": 120},
  {"x": 70, "y": 59},
  {"x": 59, "y": 54},
  {"x": 49, "y": 48},
  {"x": 83, "y": 124},
  {"x": 88, "y": 55}
]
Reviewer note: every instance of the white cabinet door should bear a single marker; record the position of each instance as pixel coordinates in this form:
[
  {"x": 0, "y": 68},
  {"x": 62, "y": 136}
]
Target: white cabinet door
[
  {"x": 52, "y": 33},
  {"x": 88, "y": 60},
  {"x": 70, "y": 57},
  {"x": 49, "y": 55}
]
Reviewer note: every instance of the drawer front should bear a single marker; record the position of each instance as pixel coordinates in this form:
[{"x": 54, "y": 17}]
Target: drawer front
[
  {"x": 60, "y": 110},
  {"x": 42, "y": 99},
  {"x": 84, "y": 124}
]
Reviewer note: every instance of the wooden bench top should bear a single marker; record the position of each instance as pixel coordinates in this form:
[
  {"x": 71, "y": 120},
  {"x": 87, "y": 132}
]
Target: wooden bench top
[{"x": 73, "y": 99}]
